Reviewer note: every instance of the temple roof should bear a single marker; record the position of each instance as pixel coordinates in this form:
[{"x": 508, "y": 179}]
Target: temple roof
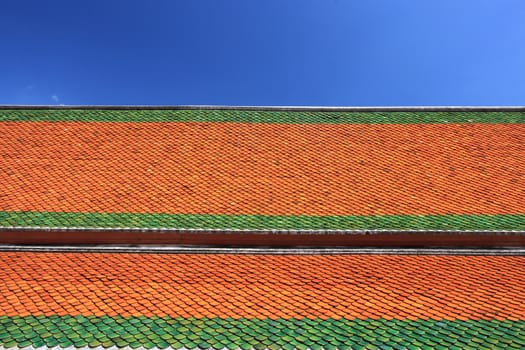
[{"x": 334, "y": 178}]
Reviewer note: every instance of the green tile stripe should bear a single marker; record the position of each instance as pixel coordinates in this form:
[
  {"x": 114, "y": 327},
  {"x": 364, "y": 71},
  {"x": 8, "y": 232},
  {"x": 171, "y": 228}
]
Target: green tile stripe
[
  {"x": 203, "y": 221},
  {"x": 301, "y": 117},
  {"x": 217, "y": 333}
]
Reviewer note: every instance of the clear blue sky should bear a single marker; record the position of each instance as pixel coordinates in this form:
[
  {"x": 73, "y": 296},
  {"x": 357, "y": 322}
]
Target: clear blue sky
[{"x": 266, "y": 52}]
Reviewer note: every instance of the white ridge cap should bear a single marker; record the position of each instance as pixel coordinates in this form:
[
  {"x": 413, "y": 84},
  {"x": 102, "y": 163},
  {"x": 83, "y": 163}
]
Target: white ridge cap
[{"x": 274, "y": 108}]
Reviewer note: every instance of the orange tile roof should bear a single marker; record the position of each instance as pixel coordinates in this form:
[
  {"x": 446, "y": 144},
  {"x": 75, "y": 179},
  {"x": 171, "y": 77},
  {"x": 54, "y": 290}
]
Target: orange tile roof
[
  {"x": 263, "y": 287},
  {"x": 263, "y": 169},
  {"x": 334, "y": 169},
  {"x": 186, "y": 169}
]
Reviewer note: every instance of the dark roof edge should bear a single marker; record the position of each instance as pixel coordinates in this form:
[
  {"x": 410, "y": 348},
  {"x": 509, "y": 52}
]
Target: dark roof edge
[
  {"x": 244, "y": 238},
  {"x": 279, "y": 108}
]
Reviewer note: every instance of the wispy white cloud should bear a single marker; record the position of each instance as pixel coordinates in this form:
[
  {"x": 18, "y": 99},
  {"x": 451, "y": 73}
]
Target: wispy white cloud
[{"x": 55, "y": 98}]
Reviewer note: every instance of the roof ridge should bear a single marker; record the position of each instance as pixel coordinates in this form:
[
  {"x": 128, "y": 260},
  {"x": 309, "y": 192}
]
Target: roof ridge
[{"x": 273, "y": 108}]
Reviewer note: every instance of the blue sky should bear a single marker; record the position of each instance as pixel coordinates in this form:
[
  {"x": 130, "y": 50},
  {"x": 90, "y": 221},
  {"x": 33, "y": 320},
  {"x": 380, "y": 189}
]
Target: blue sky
[{"x": 266, "y": 52}]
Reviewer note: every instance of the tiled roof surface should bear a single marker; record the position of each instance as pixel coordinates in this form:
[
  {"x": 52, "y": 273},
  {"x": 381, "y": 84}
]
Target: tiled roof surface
[
  {"x": 238, "y": 169},
  {"x": 264, "y": 170},
  {"x": 262, "y": 301}
]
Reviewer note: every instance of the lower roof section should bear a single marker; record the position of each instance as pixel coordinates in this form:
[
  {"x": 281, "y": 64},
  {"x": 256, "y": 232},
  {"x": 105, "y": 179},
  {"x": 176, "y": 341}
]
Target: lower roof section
[
  {"x": 262, "y": 286},
  {"x": 261, "y": 301}
]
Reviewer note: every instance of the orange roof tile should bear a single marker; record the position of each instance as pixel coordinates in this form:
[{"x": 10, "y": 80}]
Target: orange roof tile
[
  {"x": 261, "y": 286},
  {"x": 237, "y": 169},
  {"x": 260, "y": 301},
  {"x": 261, "y": 170}
]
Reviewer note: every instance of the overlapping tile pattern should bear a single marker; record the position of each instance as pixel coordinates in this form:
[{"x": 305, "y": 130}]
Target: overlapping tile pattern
[
  {"x": 257, "y": 169},
  {"x": 254, "y": 115},
  {"x": 241, "y": 169},
  {"x": 247, "y": 334},
  {"x": 261, "y": 301}
]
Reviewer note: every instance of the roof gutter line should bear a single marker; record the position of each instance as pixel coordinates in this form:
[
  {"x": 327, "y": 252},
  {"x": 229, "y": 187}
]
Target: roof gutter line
[
  {"x": 168, "y": 230},
  {"x": 263, "y": 251}
]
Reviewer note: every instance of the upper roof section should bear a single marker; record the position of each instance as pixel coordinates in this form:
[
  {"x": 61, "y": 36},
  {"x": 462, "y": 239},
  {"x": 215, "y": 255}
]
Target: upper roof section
[{"x": 231, "y": 168}]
